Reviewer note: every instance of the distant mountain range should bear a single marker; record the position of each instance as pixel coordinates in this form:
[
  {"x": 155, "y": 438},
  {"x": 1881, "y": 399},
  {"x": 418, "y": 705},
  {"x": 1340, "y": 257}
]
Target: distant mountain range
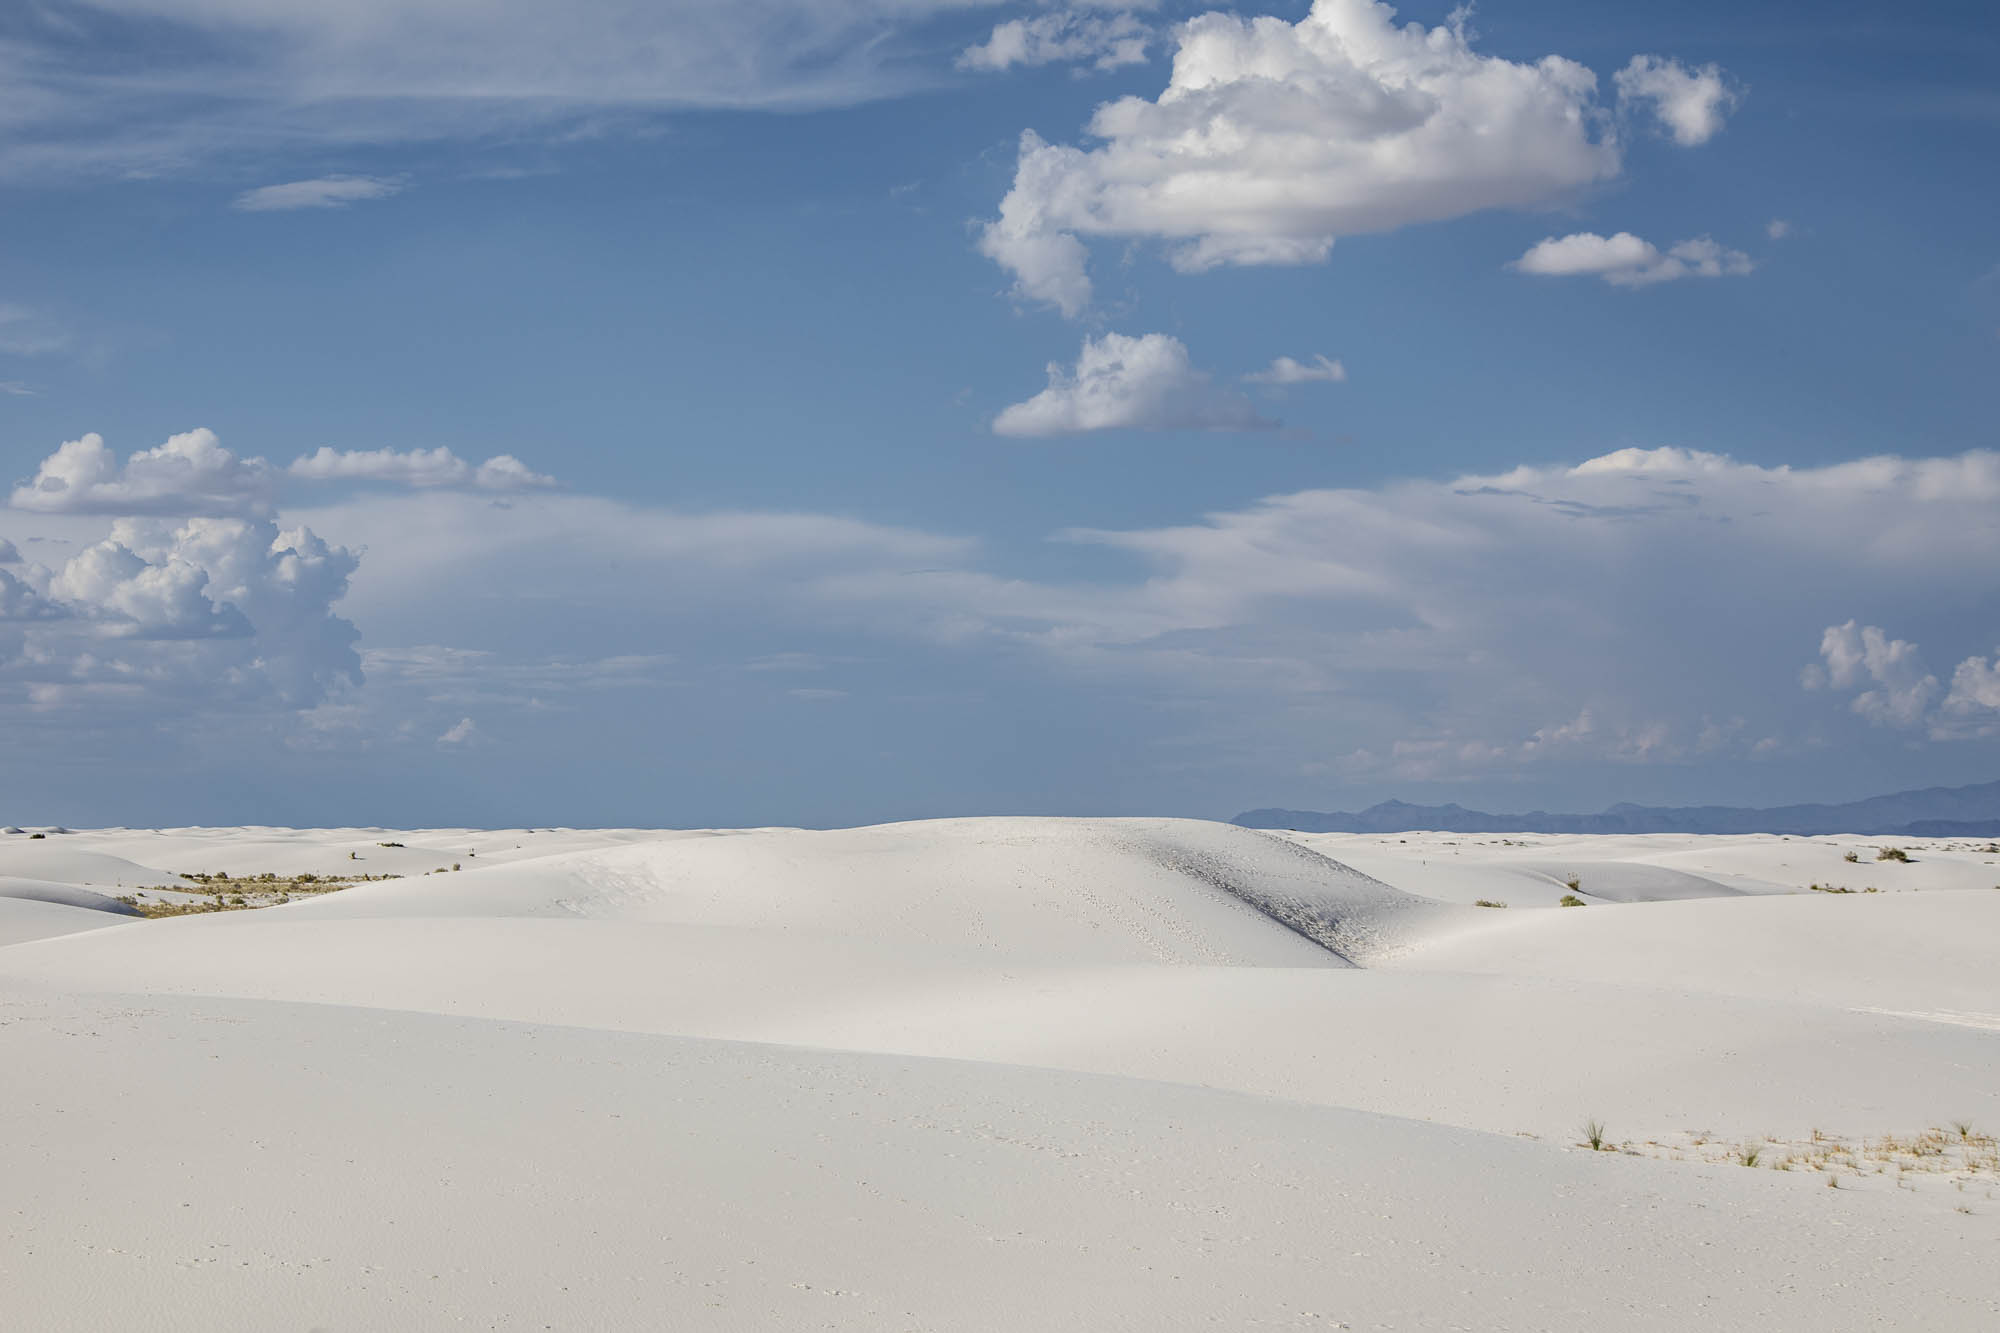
[{"x": 1934, "y": 812}]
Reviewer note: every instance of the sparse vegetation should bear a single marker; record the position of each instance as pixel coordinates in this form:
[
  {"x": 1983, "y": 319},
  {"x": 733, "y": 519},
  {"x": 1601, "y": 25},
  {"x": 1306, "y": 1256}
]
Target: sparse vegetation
[
  {"x": 205, "y": 892},
  {"x": 1955, "y": 1155},
  {"x": 1850, "y": 856},
  {"x": 388, "y": 844},
  {"x": 1569, "y": 900},
  {"x": 1593, "y": 1135},
  {"x": 33, "y": 836},
  {"x": 1573, "y": 883},
  {"x": 1489, "y": 902}
]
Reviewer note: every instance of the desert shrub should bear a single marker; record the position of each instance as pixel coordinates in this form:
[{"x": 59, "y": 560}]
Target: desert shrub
[
  {"x": 1891, "y": 854},
  {"x": 1850, "y": 856},
  {"x": 33, "y": 836},
  {"x": 1569, "y": 900},
  {"x": 1489, "y": 902},
  {"x": 1573, "y": 883}
]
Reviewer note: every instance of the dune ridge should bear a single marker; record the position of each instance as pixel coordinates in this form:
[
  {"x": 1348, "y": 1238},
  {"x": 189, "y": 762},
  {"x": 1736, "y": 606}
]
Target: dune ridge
[{"x": 1095, "y": 976}]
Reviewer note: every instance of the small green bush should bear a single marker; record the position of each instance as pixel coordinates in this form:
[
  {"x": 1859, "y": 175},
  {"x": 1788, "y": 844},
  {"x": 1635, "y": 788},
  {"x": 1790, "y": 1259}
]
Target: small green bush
[
  {"x": 1489, "y": 902},
  {"x": 1569, "y": 900},
  {"x": 1892, "y": 854}
]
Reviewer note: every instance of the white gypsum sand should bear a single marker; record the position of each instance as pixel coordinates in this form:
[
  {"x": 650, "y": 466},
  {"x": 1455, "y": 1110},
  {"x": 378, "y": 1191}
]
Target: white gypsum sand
[{"x": 1001, "y": 1074}]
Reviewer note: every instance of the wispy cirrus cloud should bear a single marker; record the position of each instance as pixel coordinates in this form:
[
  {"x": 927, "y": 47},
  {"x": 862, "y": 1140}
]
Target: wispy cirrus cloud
[
  {"x": 1104, "y": 37},
  {"x": 116, "y": 87},
  {"x": 1286, "y": 370},
  {"x": 320, "y": 192}
]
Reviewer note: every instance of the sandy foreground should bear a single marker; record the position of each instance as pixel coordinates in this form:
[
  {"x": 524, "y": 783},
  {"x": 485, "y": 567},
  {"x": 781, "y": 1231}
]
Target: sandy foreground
[{"x": 998, "y": 1074}]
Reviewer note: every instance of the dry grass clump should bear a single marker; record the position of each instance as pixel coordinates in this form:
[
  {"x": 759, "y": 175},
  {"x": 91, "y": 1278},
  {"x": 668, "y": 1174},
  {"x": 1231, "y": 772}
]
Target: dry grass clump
[
  {"x": 1488, "y": 902},
  {"x": 1955, "y": 1156},
  {"x": 222, "y": 892},
  {"x": 1569, "y": 900}
]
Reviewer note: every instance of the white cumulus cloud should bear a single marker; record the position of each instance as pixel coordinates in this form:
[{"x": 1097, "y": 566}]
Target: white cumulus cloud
[
  {"x": 1690, "y": 104},
  {"x": 418, "y": 467},
  {"x": 1272, "y": 139},
  {"x": 320, "y": 192},
  {"x": 1125, "y": 383},
  {"x": 1624, "y": 260},
  {"x": 1972, "y": 708},
  {"x": 224, "y": 612},
  {"x": 1286, "y": 370},
  {"x": 504, "y": 472},
  {"x": 1901, "y": 689},
  {"x": 190, "y": 473}
]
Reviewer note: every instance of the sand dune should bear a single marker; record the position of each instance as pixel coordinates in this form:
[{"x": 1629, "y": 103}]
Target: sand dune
[{"x": 992, "y": 1073}]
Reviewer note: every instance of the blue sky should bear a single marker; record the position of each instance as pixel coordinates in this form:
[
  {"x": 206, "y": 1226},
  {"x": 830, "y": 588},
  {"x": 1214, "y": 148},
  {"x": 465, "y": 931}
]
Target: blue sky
[{"x": 1555, "y": 405}]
